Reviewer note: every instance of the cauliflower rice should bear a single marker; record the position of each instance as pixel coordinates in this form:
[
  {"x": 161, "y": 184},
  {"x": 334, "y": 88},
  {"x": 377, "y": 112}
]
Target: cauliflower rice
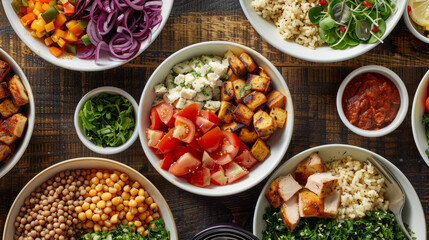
[
  {"x": 362, "y": 188},
  {"x": 291, "y": 19}
]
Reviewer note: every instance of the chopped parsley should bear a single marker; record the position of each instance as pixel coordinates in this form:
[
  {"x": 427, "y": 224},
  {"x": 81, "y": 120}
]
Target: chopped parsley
[
  {"x": 195, "y": 74},
  {"x": 182, "y": 84},
  {"x": 244, "y": 89},
  {"x": 229, "y": 109},
  {"x": 426, "y": 124},
  {"x": 196, "y": 62},
  {"x": 205, "y": 93},
  {"x": 225, "y": 76}
]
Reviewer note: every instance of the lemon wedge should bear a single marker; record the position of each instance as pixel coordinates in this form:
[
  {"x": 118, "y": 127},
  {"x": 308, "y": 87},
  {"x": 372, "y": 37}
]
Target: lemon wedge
[{"x": 420, "y": 12}]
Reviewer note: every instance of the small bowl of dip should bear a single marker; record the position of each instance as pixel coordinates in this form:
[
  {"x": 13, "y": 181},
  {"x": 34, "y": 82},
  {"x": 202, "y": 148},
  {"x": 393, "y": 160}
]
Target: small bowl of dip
[{"x": 372, "y": 101}]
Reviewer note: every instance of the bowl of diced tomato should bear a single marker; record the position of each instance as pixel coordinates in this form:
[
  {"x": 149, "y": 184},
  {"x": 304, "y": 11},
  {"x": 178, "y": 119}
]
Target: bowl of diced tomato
[
  {"x": 215, "y": 118},
  {"x": 87, "y": 35}
]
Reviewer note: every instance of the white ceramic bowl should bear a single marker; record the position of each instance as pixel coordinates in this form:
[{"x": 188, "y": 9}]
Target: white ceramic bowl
[
  {"x": 80, "y": 133},
  {"x": 417, "y": 111},
  {"x": 403, "y": 94},
  {"x": 70, "y": 62},
  {"x": 279, "y": 142},
  {"x": 413, "y": 27},
  {"x": 31, "y": 110},
  {"x": 268, "y": 31},
  {"x": 412, "y": 214},
  {"x": 88, "y": 163}
]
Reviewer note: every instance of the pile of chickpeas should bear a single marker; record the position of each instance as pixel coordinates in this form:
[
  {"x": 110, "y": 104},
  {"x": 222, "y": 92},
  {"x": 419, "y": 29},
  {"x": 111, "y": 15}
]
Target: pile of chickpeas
[{"x": 85, "y": 199}]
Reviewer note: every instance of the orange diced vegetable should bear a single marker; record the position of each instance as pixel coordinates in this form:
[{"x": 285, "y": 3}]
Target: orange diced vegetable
[
  {"x": 28, "y": 18},
  {"x": 55, "y": 38},
  {"x": 50, "y": 27},
  {"x": 61, "y": 19},
  {"x": 60, "y": 7},
  {"x": 64, "y": 1},
  {"x": 46, "y": 6},
  {"x": 38, "y": 25},
  {"x": 38, "y": 6},
  {"x": 48, "y": 41},
  {"x": 55, "y": 51},
  {"x": 40, "y": 34},
  {"x": 36, "y": 11},
  {"x": 68, "y": 9},
  {"x": 77, "y": 30},
  {"x": 70, "y": 37},
  {"x": 30, "y": 7},
  {"x": 71, "y": 24},
  {"x": 61, "y": 42},
  {"x": 60, "y": 33},
  {"x": 44, "y": 1},
  {"x": 23, "y": 10},
  {"x": 33, "y": 34}
]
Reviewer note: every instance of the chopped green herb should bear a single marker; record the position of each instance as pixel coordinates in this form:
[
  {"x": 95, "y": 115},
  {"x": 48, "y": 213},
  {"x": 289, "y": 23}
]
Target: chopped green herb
[
  {"x": 205, "y": 93},
  {"x": 182, "y": 84},
  {"x": 196, "y": 62},
  {"x": 229, "y": 109},
  {"x": 426, "y": 124},
  {"x": 195, "y": 74},
  {"x": 172, "y": 82},
  {"x": 225, "y": 76},
  {"x": 107, "y": 120},
  {"x": 244, "y": 89}
]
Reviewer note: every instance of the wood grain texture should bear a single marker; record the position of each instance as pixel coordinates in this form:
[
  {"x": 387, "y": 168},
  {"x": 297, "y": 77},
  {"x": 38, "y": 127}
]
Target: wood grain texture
[{"x": 313, "y": 87}]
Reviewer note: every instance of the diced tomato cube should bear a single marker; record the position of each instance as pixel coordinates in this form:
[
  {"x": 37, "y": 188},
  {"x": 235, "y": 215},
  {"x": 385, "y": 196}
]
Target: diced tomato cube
[
  {"x": 166, "y": 112},
  {"x": 184, "y": 165},
  {"x": 211, "y": 117},
  {"x": 246, "y": 160},
  {"x": 218, "y": 177},
  {"x": 234, "y": 172},
  {"x": 153, "y": 137},
  {"x": 208, "y": 161},
  {"x": 181, "y": 150},
  {"x": 211, "y": 140},
  {"x": 194, "y": 144},
  {"x": 169, "y": 159},
  {"x": 168, "y": 143},
  {"x": 204, "y": 124},
  {"x": 200, "y": 177},
  {"x": 242, "y": 148},
  {"x": 155, "y": 121},
  {"x": 222, "y": 159},
  {"x": 184, "y": 129},
  {"x": 190, "y": 112}
]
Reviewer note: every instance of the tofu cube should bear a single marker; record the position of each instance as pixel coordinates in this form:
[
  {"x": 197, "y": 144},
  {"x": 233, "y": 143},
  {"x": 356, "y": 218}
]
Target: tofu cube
[
  {"x": 279, "y": 115},
  {"x": 7, "y": 108},
  {"x": 264, "y": 124},
  {"x": 232, "y": 126},
  {"x": 18, "y": 91},
  {"x": 248, "y": 135},
  {"x": 250, "y": 65},
  {"x": 276, "y": 99},
  {"x": 226, "y": 111},
  {"x": 4, "y": 70},
  {"x": 254, "y": 100},
  {"x": 237, "y": 66},
  {"x": 259, "y": 83},
  {"x": 243, "y": 114},
  {"x": 226, "y": 91},
  {"x": 240, "y": 91},
  {"x": 260, "y": 150}
]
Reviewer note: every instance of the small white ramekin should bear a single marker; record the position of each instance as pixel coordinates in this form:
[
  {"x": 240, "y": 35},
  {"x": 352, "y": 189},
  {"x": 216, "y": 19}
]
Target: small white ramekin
[
  {"x": 412, "y": 26},
  {"x": 84, "y": 139},
  {"x": 403, "y": 94}
]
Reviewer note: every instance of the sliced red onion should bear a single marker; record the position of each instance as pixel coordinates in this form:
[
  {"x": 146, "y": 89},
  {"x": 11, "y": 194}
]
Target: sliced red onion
[{"x": 85, "y": 52}]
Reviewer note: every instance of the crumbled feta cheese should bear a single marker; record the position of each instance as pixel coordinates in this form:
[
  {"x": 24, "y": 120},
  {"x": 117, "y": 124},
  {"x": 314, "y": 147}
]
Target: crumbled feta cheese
[
  {"x": 200, "y": 83},
  {"x": 182, "y": 67},
  {"x": 179, "y": 79},
  {"x": 160, "y": 89},
  {"x": 205, "y": 94},
  {"x": 189, "y": 79},
  {"x": 197, "y": 64},
  {"x": 181, "y": 103},
  {"x": 212, "y": 77},
  {"x": 216, "y": 93},
  {"x": 173, "y": 94},
  {"x": 218, "y": 68},
  {"x": 169, "y": 81},
  {"x": 204, "y": 70},
  {"x": 208, "y": 59},
  {"x": 187, "y": 93},
  {"x": 212, "y": 105}
]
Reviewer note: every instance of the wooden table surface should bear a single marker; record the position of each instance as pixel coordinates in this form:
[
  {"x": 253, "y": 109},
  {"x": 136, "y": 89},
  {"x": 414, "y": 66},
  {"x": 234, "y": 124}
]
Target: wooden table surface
[{"x": 313, "y": 87}]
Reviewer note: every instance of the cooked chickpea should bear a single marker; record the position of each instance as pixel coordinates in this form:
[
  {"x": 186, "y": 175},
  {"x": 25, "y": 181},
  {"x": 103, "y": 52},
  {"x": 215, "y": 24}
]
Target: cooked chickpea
[
  {"x": 106, "y": 196},
  {"x": 124, "y": 177},
  {"x": 101, "y": 204},
  {"x": 129, "y": 216},
  {"x": 114, "y": 177},
  {"x": 140, "y": 230},
  {"x": 114, "y": 219}
]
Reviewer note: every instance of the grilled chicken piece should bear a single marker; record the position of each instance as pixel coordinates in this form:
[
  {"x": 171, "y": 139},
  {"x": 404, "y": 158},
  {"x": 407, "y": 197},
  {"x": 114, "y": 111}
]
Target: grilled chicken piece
[
  {"x": 4, "y": 69},
  {"x": 322, "y": 184},
  {"x": 272, "y": 194},
  {"x": 4, "y": 90},
  {"x": 14, "y": 125},
  {"x": 7, "y": 108},
  {"x": 310, "y": 205},
  {"x": 290, "y": 213},
  {"x": 5, "y": 151},
  {"x": 287, "y": 187},
  {"x": 311, "y": 165},
  {"x": 18, "y": 91},
  {"x": 331, "y": 204}
]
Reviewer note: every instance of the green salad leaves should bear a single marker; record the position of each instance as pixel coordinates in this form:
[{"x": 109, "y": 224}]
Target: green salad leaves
[
  {"x": 344, "y": 23},
  {"x": 426, "y": 124},
  {"x": 376, "y": 225},
  {"x": 107, "y": 120}
]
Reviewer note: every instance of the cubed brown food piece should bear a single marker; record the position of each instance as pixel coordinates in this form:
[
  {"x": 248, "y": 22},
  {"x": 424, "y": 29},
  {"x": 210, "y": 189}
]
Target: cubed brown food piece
[
  {"x": 250, "y": 65},
  {"x": 241, "y": 90},
  {"x": 272, "y": 194},
  {"x": 259, "y": 83},
  {"x": 310, "y": 205},
  {"x": 264, "y": 124},
  {"x": 15, "y": 124},
  {"x": 243, "y": 114},
  {"x": 4, "y": 69},
  {"x": 232, "y": 126},
  {"x": 279, "y": 115},
  {"x": 7, "y": 137},
  {"x": 5, "y": 151},
  {"x": 225, "y": 112},
  {"x": 288, "y": 187},
  {"x": 260, "y": 150},
  {"x": 254, "y": 100},
  {"x": 309, "y": 166},
  {"x": 237, "y": 66},
  {"x": 230, "y": 76},
  {"x": 226, "y": 91},
  {"x": 263, "y": 73},
  {"x": 331, "y": 204},
  {"x": 4, "y": 90},
  {"x": 248, "y": 135},
  {"x": 18, "y": 91},
  {"x": 290, "y": 213},
  {"x": 322, "y": 184},
  {"x": 7, "y": 108},
  {"x": 276, "y": 99}
]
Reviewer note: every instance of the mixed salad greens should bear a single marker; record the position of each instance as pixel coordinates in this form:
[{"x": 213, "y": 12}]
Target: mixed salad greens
[
  {"x": 344, "y": 23},
  {"x": 376, "y": 225},
  {"x": 426, "y": 124}
]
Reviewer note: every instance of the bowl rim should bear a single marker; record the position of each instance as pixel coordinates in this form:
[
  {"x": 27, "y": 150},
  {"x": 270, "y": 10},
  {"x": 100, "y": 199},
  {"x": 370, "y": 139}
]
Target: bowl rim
[
  {"x": 84, "y": 139},
  {"x": 31, "y": 116},
  {"x": 83, "y": 159},
  {"x": 320, "y": 59},
  {"x": 422, "y": 152},
  {"x": 403, "y": 94},
  {"x": 214, "y": 191},
  {"x": 317, "y": 149},
  {"x": 411, "y": 28},
  {"x": 17, "y": 27}
]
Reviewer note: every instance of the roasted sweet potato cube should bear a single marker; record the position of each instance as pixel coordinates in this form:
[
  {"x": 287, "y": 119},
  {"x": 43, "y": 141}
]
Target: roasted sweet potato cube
[
  {"x": 279, "y": 115},
  {"x": 7, "y": 108},
  {"x": 237, "y": 66},
  {"x": 263, "y": 73},
  {"x": 254, "y": 100},
  {"x": 264, "y": 124},
  {"x": 226, "y": 91},
  {"x": 260, "y": 150},
  {"x": 4, "y": 90},
  {"x": 249, "y": 63},
  {"x": 5, "y": 151},
  {"x": 230, "y": 76},
  {"x": 225, "y": 112},
  {"x": 272, "y": 194},
  {"x": 7, "y": 137},
  {"x": 232, "y": 126},
  {"x": 259, "y": 83},
  {"x": 241, "y": 90},
  {"x": 248, "y": 135},
  {"x": 243, "y": 114},
  {"x": 18, "y": 91},
  {"x": 15, "y": 124},
  {"x": 4, "y": 69},
  {"x": 276, "y": 99}
]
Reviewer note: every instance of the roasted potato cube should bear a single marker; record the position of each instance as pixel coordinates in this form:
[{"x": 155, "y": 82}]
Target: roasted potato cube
[
  {"x": 4, "y": 90},
  {"x": 225, "y": 112},
  {"x": 237, "y": 66},
  {"x": 232, "y": 126},
  {"x": 226, "y": 91},
  {"x": 259, "y": 83},
  {"x": 5, "y": 150},
  {"x": 276, "y": 99},
  {"x": 230, "y": 76},
  {"x": 15, "y": 124},
  {"x": 263, "y": 73},
  {"x": 243, "y": 114},
  {"x": 250, "y": 65},
  {"x": 4, "y": 69},
  {"x": 248, "y": 135},
  {"x": 7, "y": 137},
  {"x": 254, "y": 100},
  {"x": 7, "y": 108},
  {"x": 279, "y": 115},
  {"x": 240, "y": 90},
  {"x": 18, "y": 91},
  {"x": 260, "y": 150},
  {"x": 264, "y": 124},
  {"x": 272, "y": 194}
]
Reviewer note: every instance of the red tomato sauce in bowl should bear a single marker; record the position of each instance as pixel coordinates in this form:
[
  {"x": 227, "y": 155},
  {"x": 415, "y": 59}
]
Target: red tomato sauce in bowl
[{"x": 370, "y": 101}]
